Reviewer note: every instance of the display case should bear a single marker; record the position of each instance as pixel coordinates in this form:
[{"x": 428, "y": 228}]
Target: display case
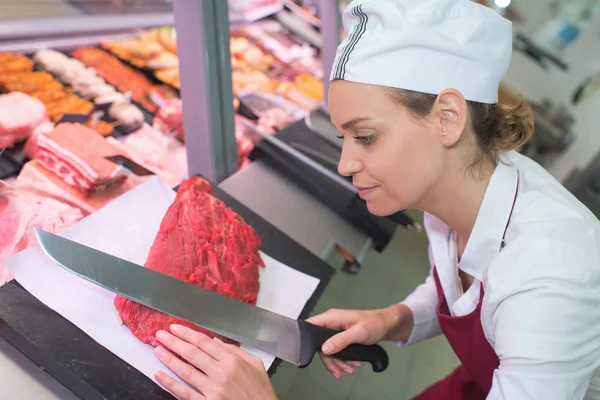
[
  {"x": 291, "y": 73},
  {"x": 132, "y": 70}
]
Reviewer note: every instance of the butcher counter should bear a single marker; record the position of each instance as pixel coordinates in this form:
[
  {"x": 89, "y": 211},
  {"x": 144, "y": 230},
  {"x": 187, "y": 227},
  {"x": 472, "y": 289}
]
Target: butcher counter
[{"x": 43, "y": 356}]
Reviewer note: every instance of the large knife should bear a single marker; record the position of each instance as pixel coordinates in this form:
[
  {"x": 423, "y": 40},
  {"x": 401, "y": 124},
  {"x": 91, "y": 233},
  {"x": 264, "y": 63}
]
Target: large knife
[{"x": 292, "y": 340}]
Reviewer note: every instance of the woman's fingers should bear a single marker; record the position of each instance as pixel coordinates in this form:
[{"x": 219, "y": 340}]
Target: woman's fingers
[
  {"x": 345, "y": 366},
  {"x": 178, "y": 389},
  {"x": 332, "y": 367},
  {"x": 257, "y": 362},
  {"x": 198, "y": 339},
  {"x": 333, "y": 319},
  {"x": 337, "y": 343},
  {"x": 189, "y": 352},
  {"x": 355, "y": 364},
  {"x": 183, "y": 370}
]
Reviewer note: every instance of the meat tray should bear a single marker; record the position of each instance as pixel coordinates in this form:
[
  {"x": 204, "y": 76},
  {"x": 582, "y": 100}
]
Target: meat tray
[
  {"x": 11, "y": 161},
  {"x": 8, "y": 166},
  {"x": 119, "y": 130},
  {"x": 91, "y": 371}
]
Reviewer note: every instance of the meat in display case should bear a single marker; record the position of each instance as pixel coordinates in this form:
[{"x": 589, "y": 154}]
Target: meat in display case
[{"x": 67, "y": 112}]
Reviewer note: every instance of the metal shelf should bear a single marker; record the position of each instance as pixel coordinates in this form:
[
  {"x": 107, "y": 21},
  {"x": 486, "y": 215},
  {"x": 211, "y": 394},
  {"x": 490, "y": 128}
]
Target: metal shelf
[{"x": 36, "y": 28}]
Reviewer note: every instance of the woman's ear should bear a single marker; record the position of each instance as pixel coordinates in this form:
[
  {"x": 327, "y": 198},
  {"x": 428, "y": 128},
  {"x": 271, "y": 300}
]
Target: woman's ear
[{"x": 453, "y": 116}]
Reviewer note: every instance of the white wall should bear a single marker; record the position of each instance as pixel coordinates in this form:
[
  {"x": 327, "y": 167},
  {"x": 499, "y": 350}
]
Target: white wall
[{"x": 583, "y": 57}]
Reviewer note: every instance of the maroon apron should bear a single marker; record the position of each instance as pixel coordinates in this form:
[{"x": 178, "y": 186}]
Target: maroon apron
[{"x": 473, "y": 379}]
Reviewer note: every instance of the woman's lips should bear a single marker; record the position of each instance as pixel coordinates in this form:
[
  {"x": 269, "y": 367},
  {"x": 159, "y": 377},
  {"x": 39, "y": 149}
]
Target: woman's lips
[{"x": 365, "y": 192}]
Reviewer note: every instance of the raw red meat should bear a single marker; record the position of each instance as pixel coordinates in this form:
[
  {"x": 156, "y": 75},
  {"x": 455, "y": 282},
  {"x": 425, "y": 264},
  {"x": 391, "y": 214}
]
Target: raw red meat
[
  {"x": 21, "y": 210},
  {"x": 76, "y": 154},
  {"x": 203, "y": 242}
]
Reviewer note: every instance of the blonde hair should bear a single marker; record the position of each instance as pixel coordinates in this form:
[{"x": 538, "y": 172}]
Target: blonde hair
[{"x": 497, "y": 127}]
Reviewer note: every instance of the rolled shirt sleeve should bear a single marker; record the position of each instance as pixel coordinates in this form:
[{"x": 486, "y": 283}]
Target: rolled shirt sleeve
[{"x": 423, "y": 302}]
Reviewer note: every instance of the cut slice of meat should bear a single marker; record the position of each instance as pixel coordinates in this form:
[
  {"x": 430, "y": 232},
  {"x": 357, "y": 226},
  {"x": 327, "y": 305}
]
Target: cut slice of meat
[
  {"x": 31, "y": 144},
  {"x": 203, "y": 242},
  {"x": 22, "y": 210},
  {"x": 77, "y": 154},
  {"x": 36, "y": 178},
  {"x": 163, "y": 155}
]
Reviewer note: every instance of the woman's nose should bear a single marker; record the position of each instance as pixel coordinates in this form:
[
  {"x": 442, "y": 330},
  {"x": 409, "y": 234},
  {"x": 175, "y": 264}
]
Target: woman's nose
[{"x": 348, "y": 166}]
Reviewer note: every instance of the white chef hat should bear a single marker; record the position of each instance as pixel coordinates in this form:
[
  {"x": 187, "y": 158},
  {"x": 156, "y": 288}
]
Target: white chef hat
[{"x": 425, "y": 46}]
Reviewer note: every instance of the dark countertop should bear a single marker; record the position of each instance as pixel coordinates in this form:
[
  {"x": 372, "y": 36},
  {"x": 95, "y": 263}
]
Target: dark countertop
[{"x": 93, "y": 372}]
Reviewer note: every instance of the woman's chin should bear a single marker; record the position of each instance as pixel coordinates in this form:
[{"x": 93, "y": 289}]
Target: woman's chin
[{"x": 381, "y": 209}]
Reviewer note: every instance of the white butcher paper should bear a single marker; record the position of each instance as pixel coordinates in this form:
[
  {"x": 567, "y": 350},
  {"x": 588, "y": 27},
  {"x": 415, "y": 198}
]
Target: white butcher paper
[{"x": 126, "y": 228}]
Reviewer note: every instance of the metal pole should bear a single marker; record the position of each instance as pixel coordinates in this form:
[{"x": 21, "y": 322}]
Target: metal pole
[
  {"x": 330, "y": 31},
  {"x": 205, "y": 71}
]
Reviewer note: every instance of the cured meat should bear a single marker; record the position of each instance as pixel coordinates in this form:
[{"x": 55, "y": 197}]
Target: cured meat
[
  {"x": 169, "y": 118},
  {"x": 20, "y": 115},
  {"x": 271, "y": 120},
  {"x": 123, "y": 77},
  {"x": 203, "y": 242},
  {"x": 170, "y": 76},
  {"x": 22, "y": 210},
  {"x": 30, "y": 77},
  {"x": 126, "y": 113},
  {"x": 11, "y": 63},
  {"x": 77, "y": 154},
  {"x": 36, "y": 178},
  {"x": 161, "y": 154},
  {"x": 87, "y": 84},
  {"x": 67, "y": 69}
]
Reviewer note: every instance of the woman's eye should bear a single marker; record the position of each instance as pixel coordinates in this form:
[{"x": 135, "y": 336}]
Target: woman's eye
[
  {"x": 368, "y": 139},
  {"x": 340, "y": 137}
]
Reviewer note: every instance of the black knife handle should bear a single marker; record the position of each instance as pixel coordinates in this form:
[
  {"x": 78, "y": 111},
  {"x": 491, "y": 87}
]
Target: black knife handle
[
  {"x": 313, "y": 337},
  {"x": 374, "y": 354}
]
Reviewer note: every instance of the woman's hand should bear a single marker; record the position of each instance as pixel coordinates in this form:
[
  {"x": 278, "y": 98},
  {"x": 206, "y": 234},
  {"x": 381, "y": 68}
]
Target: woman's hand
[
  {"x": 217, "y": 371},
  {"x": 361, "y": 327}
]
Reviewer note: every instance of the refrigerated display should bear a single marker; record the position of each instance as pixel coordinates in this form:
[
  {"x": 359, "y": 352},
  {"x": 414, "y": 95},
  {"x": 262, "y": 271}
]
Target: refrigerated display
[{"x": 124, "y": 86}]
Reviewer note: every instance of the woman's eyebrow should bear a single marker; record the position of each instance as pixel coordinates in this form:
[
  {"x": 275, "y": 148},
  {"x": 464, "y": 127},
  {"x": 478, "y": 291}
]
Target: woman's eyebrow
[{"x": 354, "y": 121}]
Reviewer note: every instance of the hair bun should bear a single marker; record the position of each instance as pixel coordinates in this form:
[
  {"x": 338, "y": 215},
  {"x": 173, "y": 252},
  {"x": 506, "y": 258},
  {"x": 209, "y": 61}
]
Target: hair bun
[{"x": 513, "y": 126}]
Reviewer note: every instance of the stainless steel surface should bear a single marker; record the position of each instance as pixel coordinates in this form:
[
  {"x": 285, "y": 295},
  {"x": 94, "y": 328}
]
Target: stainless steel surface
[
  {"x": 88, "y": 24},
  {"x": 332, "y": 162},
  {"x": 295, "y": 212},
  {"x": 63, "y": 43},
  {"x": 319, "y": 122},
  {"x": 252, "y": 326},
  {"x": 304, "y": 159},
  {"x": 205, "y": 70}
]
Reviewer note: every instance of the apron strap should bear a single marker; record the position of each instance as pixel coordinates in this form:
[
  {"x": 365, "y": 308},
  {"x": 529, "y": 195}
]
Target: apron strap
[{"x": 503, "y": 242}]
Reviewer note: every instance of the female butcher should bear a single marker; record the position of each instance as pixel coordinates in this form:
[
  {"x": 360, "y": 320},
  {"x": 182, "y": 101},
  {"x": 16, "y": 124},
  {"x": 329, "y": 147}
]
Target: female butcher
[{"x": 514, "y": 283}]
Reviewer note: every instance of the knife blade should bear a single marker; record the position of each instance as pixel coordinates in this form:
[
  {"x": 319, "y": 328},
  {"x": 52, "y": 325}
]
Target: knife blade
[
  {"x": 295, "y": 341},
  {"x": 131, "y": 165}
]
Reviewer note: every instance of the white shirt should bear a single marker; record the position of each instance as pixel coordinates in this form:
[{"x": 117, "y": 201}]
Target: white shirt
[{"x": 541, "y": 304}]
